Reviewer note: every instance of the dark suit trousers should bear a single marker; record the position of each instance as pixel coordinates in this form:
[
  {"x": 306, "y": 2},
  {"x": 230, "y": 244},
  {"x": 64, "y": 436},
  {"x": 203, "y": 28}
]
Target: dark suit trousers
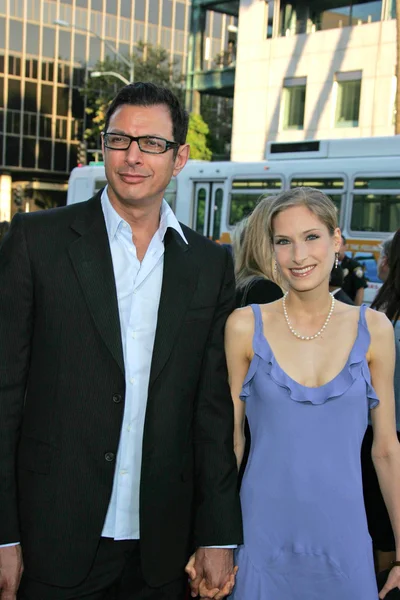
[{"x": 115, "y": 575}]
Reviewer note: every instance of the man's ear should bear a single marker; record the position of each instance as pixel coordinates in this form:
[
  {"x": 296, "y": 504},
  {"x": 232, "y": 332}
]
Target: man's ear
[{"x": 181, "y": 158}]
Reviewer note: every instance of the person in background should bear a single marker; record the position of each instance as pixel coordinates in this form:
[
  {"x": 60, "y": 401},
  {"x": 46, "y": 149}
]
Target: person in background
[
  {"x": 4, "y": 227},
  {"x": 387, "y": 301},
  {"x": 256, "y": 278},
  {"x": 354, "y": 279},
  {"x": 335, "y": 285}
]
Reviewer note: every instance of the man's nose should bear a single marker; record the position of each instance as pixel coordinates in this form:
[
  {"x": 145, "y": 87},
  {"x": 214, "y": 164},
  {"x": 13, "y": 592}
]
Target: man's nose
[{"x": 134, "y": 154}]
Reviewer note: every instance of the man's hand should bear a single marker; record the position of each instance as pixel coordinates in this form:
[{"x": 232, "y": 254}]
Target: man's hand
[
  {"x": 11, "y": 567},
  {"x": 211, "y": 573}
]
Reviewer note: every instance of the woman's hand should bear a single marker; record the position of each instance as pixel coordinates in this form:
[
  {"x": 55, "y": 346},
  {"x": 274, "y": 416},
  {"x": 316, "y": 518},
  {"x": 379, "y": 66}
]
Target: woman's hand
[
  {"x": 392, "y": 582},
  {"x": 198, "y": 583}
]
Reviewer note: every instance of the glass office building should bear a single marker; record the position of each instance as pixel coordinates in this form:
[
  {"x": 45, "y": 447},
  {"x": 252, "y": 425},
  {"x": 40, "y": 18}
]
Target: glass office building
[{"x": 44, "y": 65}]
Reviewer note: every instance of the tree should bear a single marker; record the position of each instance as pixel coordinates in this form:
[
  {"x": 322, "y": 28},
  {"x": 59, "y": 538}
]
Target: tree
[
  {"x": 397, "y": 121},
  {"x": 217, "y": 112},
  {"x": 151, "y": 64},
  {"x": 197, "y": 138}
]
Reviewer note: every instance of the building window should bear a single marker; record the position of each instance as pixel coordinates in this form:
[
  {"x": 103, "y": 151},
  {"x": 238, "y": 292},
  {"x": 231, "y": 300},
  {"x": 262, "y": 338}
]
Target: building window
[
  {"x": 298, "y": 16},
  {"x": 348, "y": 99},
  {"x": 269, "y": 18},
  {"x": 294, "y": 100}
]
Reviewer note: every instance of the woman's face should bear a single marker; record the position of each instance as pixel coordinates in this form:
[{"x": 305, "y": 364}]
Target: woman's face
[
  {"x": 383, "y": 267},
  {"x": 304, "y": 248}
]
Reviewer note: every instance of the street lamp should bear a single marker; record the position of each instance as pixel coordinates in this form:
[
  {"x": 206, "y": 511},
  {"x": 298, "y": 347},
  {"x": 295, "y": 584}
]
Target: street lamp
[
  {"x": 129, "y": 63},
  {"x": 111, "y": 74}
]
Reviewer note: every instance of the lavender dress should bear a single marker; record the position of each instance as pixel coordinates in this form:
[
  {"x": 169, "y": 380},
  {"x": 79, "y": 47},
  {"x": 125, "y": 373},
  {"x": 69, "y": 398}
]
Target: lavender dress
[{"x": 305, "y": 529}]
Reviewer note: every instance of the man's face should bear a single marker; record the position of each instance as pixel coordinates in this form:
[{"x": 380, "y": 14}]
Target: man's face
[
  {"x": 135, "y": 178},
  {"x": 342, "y": 250}
]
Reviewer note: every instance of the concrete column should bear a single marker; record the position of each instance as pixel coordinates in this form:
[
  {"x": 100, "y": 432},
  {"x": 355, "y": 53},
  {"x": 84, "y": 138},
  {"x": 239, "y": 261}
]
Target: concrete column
[{"x": 195, "y": 55}]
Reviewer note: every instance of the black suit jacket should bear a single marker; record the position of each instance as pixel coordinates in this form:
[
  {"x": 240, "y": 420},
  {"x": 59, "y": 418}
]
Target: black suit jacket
[{"x": 62, "y": 392}]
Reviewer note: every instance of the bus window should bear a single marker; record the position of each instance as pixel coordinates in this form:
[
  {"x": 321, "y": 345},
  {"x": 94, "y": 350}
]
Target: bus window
[
  {"x": 376, "y": 204},
  {"x": 201, "y": 211},
  {"x": 331, "y": 186},
  {"x": 219, "y": 196},
  {"x": 246, "y": 193},
  {"x": 99, "y": 184},
  {"x": 170, "y": 194}
]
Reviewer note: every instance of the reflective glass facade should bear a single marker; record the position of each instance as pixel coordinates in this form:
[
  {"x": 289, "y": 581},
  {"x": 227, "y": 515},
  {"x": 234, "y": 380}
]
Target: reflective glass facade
[{"x": 43, "y": 66}]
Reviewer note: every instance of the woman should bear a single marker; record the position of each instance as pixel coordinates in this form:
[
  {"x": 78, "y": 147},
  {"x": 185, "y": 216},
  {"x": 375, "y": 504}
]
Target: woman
[
  {"x": 305, "y": 369},
  {"x": 256, "y": 281},
  {"x": 387, "y": 301}
]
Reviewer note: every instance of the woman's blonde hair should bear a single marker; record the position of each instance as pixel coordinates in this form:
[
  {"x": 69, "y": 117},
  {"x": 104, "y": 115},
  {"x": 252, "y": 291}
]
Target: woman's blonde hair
[
  {"x": 252, "y": 250},
  {"x": 317, "y": 202}
]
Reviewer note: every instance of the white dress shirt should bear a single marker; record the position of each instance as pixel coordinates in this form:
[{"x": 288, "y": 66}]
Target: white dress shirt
[{"x": 138, "y": 287}]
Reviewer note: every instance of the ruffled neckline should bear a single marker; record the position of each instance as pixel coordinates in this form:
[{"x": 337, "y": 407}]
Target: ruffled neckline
[{"x": 355, "y": 366}]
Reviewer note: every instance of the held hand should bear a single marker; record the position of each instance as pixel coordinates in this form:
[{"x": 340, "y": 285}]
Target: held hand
[
  {"x": 392, "y": 582},
  {"x": 11, "y": 567},
  {"x": 211, "y": 573}
]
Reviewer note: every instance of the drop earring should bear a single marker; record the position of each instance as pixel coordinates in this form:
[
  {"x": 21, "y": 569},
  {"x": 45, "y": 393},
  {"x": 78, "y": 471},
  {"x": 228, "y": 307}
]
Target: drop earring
[{"x": 336, "y": 260}]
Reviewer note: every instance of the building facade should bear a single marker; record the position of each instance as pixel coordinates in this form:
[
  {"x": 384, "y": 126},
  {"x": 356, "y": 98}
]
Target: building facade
[
  {"x": 43, "y": 66},
  {"x": 313, "y": 70}
]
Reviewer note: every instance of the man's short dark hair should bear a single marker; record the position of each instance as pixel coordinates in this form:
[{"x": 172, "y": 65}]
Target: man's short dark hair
[{"x": 149, "y": 94}]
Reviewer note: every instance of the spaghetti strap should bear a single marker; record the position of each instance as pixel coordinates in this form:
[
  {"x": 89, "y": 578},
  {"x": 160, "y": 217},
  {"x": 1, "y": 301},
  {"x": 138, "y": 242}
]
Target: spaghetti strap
[
  {"x": 362, "y": 319},
  {"x": 258, "y": 337}
]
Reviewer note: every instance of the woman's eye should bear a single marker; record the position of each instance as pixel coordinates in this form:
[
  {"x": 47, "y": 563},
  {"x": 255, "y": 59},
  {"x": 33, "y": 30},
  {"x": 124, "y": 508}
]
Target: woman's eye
[
  {"x": 312, "y": 236},
  {"x": 281, "y": 242}
]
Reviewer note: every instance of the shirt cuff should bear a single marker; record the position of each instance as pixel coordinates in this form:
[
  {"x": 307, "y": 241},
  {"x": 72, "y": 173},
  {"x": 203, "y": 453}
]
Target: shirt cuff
[
  {"x": 12, "y": 544},
  {"x": 228, "y": 547}
]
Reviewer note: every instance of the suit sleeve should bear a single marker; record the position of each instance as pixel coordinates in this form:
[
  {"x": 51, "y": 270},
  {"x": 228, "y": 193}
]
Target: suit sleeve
[
  {"x": 16, "y": 317},
  {"x": 218, "y": 517}
]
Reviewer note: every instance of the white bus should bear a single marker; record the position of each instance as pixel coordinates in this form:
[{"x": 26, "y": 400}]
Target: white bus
[{"x": 361, "y": 176}]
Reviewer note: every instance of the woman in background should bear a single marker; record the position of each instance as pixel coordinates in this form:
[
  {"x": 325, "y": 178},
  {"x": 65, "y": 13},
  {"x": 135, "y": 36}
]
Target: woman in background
[
  {"x": 256, "y": 279},
  {"x": 387, "y": 301}
]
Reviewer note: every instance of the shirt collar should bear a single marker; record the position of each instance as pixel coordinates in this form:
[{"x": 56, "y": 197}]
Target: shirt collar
[{"x": 114, "y": 221}]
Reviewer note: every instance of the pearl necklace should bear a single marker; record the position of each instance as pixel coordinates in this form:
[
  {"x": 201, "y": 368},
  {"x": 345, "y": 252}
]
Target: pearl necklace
[{"x": 308, "y": 337}]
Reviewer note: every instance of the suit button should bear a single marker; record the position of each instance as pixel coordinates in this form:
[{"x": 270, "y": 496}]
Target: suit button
[
  {"x": 109, "y": 456},
  {"x": 117, "y": 398}
]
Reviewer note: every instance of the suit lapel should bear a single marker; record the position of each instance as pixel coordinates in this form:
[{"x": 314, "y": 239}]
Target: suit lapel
[
  {"x": 179, "y": 283},
  {"x": 91, "y": 258}
]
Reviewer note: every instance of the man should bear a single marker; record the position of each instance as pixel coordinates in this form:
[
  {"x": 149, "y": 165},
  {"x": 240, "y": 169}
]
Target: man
[
  {"x": 116, "y": 424},
  {"x": 336, "y": 285},
  {"x": 354, "y": 280}
]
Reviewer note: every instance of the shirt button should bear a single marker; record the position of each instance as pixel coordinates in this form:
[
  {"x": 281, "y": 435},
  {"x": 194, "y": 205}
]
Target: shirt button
[
  {"x": 134, "y": 335},
  {"x": 109, "y": 456},
  {"x": 124, "y": 225},
  {"x": 117, "y": 398},
  {"x": 132, "y": 380},
  {"x": 131, "y": 250}
]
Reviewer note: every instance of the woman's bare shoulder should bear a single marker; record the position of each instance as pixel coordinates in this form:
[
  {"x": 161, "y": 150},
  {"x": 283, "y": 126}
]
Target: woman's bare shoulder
[
  {"x": 241, "y": 321},
  {"x": 378, "y": 324}
]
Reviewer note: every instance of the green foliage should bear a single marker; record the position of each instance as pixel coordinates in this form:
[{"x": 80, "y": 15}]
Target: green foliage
[
  {"x": 218, "y": 114},
  {"x": 197, "y": 138},
  {"x": 150, "y": 64}
]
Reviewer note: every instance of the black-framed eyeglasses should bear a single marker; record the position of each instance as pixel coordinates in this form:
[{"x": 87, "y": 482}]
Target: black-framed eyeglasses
[{"x": 150, "y": 144}]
